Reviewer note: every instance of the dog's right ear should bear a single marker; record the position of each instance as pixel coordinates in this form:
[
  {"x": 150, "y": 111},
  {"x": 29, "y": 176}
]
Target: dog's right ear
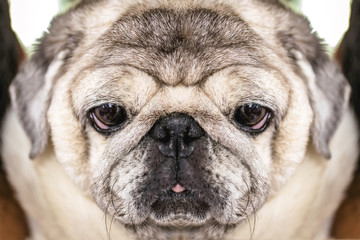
[
  {"x": 31, "y": 89},
  {"x": 327, "y": 87}
]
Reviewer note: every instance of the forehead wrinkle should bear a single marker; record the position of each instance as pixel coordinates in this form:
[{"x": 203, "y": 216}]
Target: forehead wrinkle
[
  {"x": 248, "y": 88},
  {"x": 115, "y": 85},
  {"x": 179, "y": 46},
  {"x": 109, "y": 63},
  {"x": 271, "y": 98},
  {"x": 184, "y": 99},
  {"x": 257, "y": 85}
]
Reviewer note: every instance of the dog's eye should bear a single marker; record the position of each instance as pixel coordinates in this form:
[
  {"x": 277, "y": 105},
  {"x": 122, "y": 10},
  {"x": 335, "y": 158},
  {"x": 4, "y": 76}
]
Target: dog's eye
[
  {"x": 108, "y": 117},
  {"x": 252, "y": 117}
]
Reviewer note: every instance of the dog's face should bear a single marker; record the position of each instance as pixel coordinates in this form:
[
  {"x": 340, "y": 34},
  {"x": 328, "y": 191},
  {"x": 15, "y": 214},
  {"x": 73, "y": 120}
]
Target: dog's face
[{"x": 183, "y": 117}]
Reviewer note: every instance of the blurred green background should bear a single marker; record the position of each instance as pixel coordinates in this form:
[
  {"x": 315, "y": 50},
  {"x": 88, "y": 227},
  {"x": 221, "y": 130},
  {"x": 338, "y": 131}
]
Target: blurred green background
[
  {"x": 65, "y": 4},
  {"x": 328, "y": 17}
]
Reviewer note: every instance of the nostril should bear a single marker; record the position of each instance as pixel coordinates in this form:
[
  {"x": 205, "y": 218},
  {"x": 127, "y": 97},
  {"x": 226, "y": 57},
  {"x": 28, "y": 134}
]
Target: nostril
[
  {"x": 158, "y": 132},
  {"x": 187, "y": 139},
  {"x": 195, "y": 131}
]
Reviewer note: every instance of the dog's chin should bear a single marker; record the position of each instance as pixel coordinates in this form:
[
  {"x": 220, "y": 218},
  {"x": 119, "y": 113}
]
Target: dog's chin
[{"x": 180, "y": 209}]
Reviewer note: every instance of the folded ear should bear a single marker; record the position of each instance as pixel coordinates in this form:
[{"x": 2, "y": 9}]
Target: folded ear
[
  {"x": 328, "y": 89},
  {"x": 32, "y": 87}
]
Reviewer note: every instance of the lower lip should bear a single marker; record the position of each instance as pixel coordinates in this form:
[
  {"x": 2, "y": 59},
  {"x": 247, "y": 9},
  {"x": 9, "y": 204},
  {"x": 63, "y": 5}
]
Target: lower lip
[{"x": 180, "y": 206}]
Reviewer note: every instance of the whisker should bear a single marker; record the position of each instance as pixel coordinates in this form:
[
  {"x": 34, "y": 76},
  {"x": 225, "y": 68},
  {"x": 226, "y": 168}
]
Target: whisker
[
  {"x": 249, "y": 201},
  {"x": 111, "y": 201},
  {"x": 255, "y": 217}
]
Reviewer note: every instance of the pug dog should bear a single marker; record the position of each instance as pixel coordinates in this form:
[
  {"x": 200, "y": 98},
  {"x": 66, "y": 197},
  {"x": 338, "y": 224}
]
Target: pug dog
[{"x": 172, "y": 119}]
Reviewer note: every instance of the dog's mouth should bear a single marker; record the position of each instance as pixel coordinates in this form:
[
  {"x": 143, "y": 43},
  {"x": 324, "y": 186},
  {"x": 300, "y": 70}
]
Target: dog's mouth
[{"x": 180, "y": 205}]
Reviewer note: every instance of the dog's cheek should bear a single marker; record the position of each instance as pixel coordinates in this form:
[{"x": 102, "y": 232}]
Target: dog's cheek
[
  {"x": 263, "y": 147},
  {"x": 70, "y": 143},
  {"x": 243, "y": 187},
  {"x": 292, "y": 137},
  {"x": 97, "y": 144},
  {"x": 115, "y": 183}
]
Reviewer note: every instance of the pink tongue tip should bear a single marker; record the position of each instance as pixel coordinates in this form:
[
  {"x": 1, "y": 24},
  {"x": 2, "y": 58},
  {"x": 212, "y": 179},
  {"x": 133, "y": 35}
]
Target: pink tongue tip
[{"x": 178, "y": 188}]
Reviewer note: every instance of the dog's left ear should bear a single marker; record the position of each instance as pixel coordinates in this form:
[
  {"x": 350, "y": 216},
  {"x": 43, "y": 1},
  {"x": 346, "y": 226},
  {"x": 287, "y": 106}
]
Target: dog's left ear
[
  {"x": 31, "y": 89},
  {"x": 328, "y": 89}
]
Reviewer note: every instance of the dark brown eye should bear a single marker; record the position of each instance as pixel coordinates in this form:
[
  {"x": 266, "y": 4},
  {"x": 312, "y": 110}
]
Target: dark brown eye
[
  {"x": 108, "y": 117},
  {"x": 252, "y": 117}
]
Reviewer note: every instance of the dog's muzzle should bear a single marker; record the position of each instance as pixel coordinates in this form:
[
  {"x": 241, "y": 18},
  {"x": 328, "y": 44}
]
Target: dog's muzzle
[{"x": 176, "y": 181}]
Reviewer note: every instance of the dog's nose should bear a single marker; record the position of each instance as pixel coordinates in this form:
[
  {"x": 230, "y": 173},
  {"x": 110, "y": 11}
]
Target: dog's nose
[{"x": 176, "y": 134}]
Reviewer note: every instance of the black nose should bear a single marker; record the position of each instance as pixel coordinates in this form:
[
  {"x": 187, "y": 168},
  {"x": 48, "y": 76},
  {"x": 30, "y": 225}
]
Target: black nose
[{"x": 176, "y": 134}]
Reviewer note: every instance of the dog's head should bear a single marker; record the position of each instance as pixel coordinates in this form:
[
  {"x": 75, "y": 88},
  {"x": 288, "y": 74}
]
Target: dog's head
[{"x": 179, "y": 116}]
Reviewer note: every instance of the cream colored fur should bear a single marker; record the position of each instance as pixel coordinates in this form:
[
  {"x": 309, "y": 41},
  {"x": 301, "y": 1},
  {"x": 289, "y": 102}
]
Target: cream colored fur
[
  {"x": 312, "y": 195},
  {"x": 55, "y": 192},
  {"x": 55, "y": 204}
]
